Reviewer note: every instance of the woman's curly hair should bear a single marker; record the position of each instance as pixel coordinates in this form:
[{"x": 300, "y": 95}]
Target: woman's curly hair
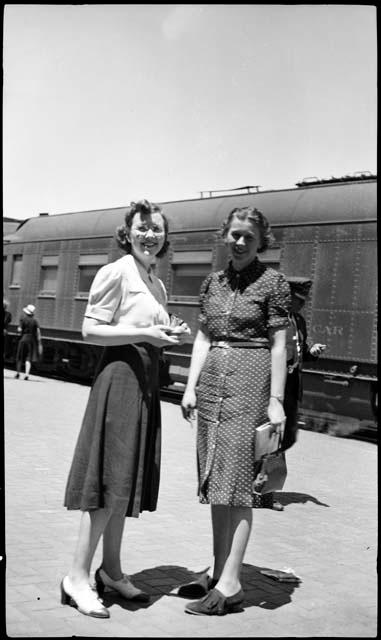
[
  {"x": 143, "y": 207},
  {"x": 255, "y": 217}
]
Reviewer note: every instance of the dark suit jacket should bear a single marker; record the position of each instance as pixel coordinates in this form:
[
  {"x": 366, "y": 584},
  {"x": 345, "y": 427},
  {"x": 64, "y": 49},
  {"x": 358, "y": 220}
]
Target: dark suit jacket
[
  {"x": 294, "y": 387},
  {"x": 306, "y": 354}
]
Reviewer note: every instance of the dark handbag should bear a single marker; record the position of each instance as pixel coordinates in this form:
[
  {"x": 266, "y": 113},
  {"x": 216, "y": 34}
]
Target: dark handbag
[{"x": 270, "y": 473}]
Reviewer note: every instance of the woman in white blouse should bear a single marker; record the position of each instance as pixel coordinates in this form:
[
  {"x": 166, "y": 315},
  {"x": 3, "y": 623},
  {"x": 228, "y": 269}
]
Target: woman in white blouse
[{"x": 116, "y": 464}]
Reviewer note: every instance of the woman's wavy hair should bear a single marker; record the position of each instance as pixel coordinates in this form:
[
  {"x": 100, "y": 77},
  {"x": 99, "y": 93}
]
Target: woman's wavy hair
[
  {"x": 255, "y": 217},
  {"x": 144, "y": 207}
]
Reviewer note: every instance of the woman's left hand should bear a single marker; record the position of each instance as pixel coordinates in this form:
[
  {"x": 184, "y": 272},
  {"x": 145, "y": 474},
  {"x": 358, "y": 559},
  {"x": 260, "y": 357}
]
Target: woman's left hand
[
  {"x": 189, "y": 404},
  {"x": 182, "y": 337},
  {"x": 276, "y": 414},
  {"x": 181, "y": 331}
]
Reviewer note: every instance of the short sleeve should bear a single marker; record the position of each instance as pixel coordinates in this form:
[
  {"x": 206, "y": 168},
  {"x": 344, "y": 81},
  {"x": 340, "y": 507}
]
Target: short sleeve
[
  {"x": 105, "y": 293},
  {"x": 202, "y": 299},
  {"x": 279, "y": 303}
]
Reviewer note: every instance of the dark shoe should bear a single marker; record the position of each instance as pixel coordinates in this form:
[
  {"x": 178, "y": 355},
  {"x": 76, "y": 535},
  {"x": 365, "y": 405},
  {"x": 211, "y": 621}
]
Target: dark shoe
[
  {"x": 198, "y": 588},
  {"x": 215, "y": 604},
  {"x": 17, "y": 376},
  {"x": 26, "y": 377},
  {"x": 277, "y": 506},
  {"x": 123, "y": 586},
  {"x": 85, "y": 600}
]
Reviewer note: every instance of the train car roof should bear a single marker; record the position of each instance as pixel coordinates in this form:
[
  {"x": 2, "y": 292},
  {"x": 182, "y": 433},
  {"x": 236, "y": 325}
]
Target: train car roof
[
  {"x": 320, "y": 204},
  {"x": 10, "y": 225}
]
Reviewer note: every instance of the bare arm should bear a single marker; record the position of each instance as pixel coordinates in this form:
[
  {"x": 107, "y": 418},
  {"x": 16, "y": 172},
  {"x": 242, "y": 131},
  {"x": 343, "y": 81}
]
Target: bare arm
[
  {"x": 275, "y": 409},
  {"x": 113, "y": 335},
  {"x": 199, "y": 352}
]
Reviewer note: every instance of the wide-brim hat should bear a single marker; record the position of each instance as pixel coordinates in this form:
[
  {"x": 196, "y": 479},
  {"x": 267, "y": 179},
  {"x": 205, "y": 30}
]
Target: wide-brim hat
[
  {"x": 300, "y": 286},
  {"x": 29, "y": 309}
]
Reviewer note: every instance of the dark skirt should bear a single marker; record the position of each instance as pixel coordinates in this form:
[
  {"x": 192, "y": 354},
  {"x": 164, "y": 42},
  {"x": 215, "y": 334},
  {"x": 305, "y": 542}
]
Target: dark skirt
[
  {"x": 27, "y": 349},
  {"x": 116, "y": 463}
]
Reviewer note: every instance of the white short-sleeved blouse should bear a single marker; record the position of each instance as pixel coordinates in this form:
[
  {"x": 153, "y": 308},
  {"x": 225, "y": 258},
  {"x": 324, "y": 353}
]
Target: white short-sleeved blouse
[{"x": 118, "y": 294}]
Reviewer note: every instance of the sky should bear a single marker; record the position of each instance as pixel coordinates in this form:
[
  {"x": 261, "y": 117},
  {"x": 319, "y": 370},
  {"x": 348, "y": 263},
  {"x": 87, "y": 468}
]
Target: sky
[{"x": 104, "y": 104}]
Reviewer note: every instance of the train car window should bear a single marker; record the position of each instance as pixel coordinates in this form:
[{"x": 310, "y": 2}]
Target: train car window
[
  {"x": 189, "y": 269},
  {"x": 88, "y": 266},
  {"x": 49, "y": 273},
  {"x": 16, "y": 270}
]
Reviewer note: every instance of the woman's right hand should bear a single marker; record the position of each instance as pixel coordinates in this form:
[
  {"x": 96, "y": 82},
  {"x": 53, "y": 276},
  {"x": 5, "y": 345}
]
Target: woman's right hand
[
  {"x": 158, "y": 336},
  {"x": 188, "y": 404}
]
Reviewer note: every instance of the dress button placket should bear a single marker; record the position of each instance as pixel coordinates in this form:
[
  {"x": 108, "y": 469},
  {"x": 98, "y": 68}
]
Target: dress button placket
[{"x": 225, "y": 351}]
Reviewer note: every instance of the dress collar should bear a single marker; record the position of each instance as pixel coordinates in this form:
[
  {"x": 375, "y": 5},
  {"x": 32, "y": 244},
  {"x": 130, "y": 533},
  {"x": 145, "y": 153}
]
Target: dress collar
[{"x": 242, "y": 279}]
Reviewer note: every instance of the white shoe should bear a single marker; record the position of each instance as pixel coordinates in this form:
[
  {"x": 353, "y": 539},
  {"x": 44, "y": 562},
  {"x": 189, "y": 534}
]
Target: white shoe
[
  {"x": 83, "y": 599},
  {"x": 123, "y": 586}
]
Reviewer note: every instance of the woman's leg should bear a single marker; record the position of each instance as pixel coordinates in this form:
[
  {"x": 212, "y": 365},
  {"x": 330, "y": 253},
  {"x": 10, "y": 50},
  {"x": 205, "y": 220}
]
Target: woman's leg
[
  {"x": 18, "y": 365},
  {"x": 28, "y": 365},
  {"x": 93, "y": 524},
  {"x": 221, "y": 537},
  {"x": 111, "y": 574},
  {"x": 112, "y": 542},
  {"x": 240, "y": 528}
]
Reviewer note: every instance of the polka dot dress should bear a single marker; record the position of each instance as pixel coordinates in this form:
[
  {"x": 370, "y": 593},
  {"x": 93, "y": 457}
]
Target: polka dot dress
[{"x": 234, "y": 385}]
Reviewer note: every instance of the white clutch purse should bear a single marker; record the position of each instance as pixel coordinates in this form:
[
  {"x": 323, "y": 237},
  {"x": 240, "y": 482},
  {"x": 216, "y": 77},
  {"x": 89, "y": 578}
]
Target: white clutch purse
[{"x": 267, "y": 440}]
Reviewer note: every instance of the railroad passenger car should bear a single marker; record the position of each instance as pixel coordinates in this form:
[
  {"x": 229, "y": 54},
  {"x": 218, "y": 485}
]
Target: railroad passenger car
[
  {"x": 324, "y": 230},
  {"x": 10, "y": 225}
]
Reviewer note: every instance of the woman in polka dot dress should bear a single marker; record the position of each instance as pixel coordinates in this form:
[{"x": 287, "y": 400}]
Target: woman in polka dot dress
[{"x": 239, "y": 362}]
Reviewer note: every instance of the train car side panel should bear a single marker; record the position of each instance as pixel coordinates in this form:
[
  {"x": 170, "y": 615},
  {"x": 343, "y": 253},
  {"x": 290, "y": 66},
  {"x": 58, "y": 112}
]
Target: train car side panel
[{"x": 326, "y": 232}]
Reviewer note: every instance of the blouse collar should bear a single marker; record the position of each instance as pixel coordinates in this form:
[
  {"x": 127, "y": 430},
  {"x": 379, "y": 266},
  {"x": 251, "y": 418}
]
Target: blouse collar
[{"x": 242, "y": 279}]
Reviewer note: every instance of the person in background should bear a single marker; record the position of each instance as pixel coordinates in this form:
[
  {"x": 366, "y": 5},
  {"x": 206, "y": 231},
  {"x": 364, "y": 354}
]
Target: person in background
[
  {"x": 115, "y": 470},
  {"x": 298, "y": 352},
  {"x": 29, "y": 347},
  {"x": 239, "y": 361},
  {"x": 6, "y": 322}
]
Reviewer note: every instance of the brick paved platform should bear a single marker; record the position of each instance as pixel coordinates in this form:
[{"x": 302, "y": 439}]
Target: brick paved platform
[{"x": 327, "y": 533}]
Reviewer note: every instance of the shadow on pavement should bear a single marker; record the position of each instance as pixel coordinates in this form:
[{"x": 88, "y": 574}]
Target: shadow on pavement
[
  {"x": 260, "y": 591},
  {"x": 294, "y": 497},
  {"x": 264, "y": 592},
  {"x": 157, "y": 582}
]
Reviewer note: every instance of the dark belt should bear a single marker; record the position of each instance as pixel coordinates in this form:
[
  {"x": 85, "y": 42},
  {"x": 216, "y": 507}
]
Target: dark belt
[{"x": 245, "y": 344}]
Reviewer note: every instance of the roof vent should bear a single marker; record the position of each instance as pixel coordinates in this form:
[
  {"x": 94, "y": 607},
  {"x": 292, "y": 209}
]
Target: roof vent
[{"x": 248, "y": 189}]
